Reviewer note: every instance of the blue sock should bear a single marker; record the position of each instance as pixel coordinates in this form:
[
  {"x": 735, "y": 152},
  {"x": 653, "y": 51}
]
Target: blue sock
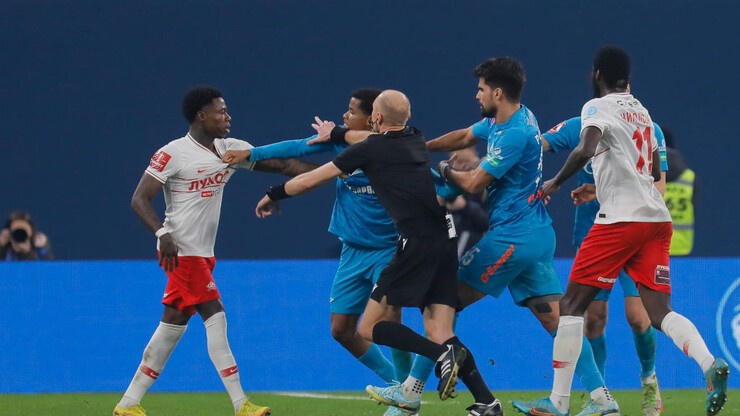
[
  {"x": 402, "y": 361},
  {"x": 586, "y": 369},
  {"x": 376, "y": 361},
  {"x": 598, "y": 345},
  {"x": 645, "y": 344},
  {"x": 423, "y": 366}
]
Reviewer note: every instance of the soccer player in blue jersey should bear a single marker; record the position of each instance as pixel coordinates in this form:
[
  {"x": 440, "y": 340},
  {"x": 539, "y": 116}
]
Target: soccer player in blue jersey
[
  {"x": 566, "y": 136},
  {"x": 517, "y": 252},
  {"x": 368, "y": 240}
]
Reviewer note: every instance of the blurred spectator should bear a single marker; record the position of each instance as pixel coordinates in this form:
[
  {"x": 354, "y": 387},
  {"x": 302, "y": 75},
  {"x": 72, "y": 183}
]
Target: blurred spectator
[
  {"x": 19, "y": 240},
  {"x": 679, "y": 198},
  {"x": 468, "y": 210}
]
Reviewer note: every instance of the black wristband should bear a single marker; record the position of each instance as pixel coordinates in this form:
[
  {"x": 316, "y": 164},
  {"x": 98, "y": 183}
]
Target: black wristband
[
  {"x": 277, "y": 192},
  {"x": 443, "y": 167},
  {"x": 337, "y": 135}
]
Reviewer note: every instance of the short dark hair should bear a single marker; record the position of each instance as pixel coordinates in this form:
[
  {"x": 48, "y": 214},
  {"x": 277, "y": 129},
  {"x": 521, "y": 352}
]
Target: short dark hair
[
  {"x": 506, "y": 73},
  {"x": 197, "y": 98},
  {"x": 18, "y": 215},
  {"x": 366, "y": 96},
  {"x": 613, "y": 64}
]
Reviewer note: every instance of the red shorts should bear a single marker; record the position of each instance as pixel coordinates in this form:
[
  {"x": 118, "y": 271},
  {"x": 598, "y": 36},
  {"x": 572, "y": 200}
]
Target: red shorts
[
  {"x": 640, "y": 248},
  {"x": 191, "y": 283}
]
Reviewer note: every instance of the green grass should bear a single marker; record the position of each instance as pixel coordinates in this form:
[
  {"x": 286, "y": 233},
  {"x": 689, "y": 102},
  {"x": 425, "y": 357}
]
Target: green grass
[{"x": 677, "y": 403}]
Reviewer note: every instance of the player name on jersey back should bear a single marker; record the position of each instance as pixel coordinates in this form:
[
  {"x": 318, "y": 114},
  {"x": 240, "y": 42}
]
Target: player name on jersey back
[
  {"x": 623, "y": 161},
  {"x": 194, "y": 178}
]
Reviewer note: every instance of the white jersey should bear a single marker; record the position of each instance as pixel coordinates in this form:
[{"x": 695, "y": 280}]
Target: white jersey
[
  {"x": 194, "y": 178},
  {"x": 623, "y": 161}
]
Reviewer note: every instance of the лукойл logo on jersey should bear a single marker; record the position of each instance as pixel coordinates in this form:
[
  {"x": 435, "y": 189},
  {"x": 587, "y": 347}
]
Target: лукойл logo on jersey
[{"x": 728, "y": 324}]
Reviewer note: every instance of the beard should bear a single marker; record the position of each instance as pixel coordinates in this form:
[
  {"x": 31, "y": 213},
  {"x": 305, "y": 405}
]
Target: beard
[{"x": 488, "y": 113}]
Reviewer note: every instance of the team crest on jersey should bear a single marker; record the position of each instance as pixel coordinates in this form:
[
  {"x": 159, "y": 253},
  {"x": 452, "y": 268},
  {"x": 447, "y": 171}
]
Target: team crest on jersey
[
  {"x": 159, "y": 160},
  {"x": 662, "y": 275}
]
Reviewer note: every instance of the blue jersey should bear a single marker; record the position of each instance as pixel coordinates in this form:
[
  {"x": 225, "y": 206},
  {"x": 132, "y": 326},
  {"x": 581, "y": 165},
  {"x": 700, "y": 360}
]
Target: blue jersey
[
  {"x": 514, "y": 158},
  {"x": 566, "y": 136},
  {"x": 357, "y": 218}
]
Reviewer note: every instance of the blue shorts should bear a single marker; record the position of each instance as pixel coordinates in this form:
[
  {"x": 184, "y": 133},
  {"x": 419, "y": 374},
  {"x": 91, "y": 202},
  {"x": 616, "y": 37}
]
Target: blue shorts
[
  {"x": 628, "y": 287},
  {"x": 521, "y": 261},
  {"x": 359, "y": 269}
]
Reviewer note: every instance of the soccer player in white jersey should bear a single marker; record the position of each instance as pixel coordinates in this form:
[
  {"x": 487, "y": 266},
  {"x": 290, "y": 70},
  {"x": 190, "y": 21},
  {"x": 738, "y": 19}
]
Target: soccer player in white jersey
[
  {"x": 632, "y": 231},
  {"x": 193, "y": 177}
]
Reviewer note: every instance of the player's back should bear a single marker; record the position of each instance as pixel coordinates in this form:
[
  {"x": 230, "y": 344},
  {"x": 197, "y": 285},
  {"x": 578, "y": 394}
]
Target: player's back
[
  {"x": 623, "y": 161},
  {"x": 397, "y": 165}
]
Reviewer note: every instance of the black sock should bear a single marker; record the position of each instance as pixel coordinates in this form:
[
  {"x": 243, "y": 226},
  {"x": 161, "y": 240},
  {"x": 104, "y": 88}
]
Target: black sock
[
  {"x": 470, "y": 375},
  {"x": 396, "y": 335}
]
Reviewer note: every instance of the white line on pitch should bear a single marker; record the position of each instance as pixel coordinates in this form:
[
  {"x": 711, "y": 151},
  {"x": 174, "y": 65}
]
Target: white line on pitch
[{"x": 323, "y": 396}]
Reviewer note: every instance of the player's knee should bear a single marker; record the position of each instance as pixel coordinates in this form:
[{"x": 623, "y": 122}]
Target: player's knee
[
  {"x": 594, "y": 327},
  {"x": 438, "y": 333},
  {"x": 639, "y": 322},
  {"x": 657, "y": 316},
  {"x": 595, "y": 322},
  {"x": 366, "y": 331},
  {"x": 343, "y": 335}
]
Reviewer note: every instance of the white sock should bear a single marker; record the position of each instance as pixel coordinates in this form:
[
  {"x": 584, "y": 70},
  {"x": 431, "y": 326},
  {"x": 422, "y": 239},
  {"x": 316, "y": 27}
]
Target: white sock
[
  {"x": 601, "y": 395},
  {"x": 565, "y": 352},
  {"x": 413, "y": 387},
  {"x": 686, "y": 337},
  {"x": 223, "y": 359},
  {"x": 156, "y": 354},
  {"x": 649, "y": 379}
]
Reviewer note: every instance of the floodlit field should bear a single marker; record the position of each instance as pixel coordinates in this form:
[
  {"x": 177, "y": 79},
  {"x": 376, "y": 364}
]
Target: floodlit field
[{"x": 677, "y": 403}]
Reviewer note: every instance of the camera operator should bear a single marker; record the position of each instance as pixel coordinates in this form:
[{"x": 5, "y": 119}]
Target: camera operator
[{"x": 19, "y": 240}]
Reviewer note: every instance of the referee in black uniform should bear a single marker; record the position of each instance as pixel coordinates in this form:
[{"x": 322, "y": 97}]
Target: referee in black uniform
[{"x": 423, "y": 272}]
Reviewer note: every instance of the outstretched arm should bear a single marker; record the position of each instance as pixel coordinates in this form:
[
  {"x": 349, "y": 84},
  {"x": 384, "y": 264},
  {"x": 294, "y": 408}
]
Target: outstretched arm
[
  {"x": 288, "y": 167},
  {"x": 296, "y": 186},
  {"x": 328, "y": 131},
  {"x": 576, "y": 161},
  {"x": 454, "y": 140},
  {"x": 141, "y": 203},
  {"x": 280, "y": 150}
]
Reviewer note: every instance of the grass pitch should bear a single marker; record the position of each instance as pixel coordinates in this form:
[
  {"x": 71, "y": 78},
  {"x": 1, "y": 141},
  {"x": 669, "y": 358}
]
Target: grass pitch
[{"x": 677, "y": 403}]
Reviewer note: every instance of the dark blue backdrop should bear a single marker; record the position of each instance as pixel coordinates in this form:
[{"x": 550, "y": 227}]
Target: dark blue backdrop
[
  {"x": 82, "y": 326},
  {"x": 89, "y": 90}
]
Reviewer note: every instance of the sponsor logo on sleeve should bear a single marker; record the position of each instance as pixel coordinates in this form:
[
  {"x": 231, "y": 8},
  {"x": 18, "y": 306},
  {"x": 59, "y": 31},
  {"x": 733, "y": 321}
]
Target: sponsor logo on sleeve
[
  {"x": 494, "y": 157},
  {"x": 591, "y": 110},
  {"x": 728, "y": 324},
  {"x": 159, "y": 160},
  {"x": 662, "y": 275},
  {"x": 556, "y": 128}
]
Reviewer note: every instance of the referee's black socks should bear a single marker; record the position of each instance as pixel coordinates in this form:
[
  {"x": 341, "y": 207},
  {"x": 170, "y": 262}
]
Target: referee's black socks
[
  {"x": 470, "y": 375},
  {"x": 399, "y": 336}
]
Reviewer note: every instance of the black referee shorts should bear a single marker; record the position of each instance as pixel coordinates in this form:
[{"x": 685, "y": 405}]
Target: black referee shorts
[{"x": 422, "y": 272}]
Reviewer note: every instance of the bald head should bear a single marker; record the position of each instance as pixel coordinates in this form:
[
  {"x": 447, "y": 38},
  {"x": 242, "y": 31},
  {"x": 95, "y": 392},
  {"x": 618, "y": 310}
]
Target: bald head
[{"x": 393, "y": 108}]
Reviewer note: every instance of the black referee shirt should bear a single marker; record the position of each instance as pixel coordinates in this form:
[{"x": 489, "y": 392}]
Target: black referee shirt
[{"x": 397, "y": 165}]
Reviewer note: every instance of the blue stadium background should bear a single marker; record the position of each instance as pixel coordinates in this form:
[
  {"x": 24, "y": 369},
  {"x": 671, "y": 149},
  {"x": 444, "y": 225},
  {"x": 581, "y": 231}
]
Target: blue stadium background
[
  {"x": 89, "y": 90},
  {"x": 83, "y": 326}
]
